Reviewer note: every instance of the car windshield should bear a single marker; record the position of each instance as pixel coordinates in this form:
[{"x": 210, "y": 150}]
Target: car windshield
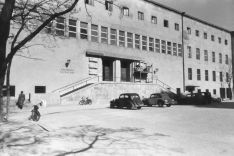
[{"x": 135, "y": 96}]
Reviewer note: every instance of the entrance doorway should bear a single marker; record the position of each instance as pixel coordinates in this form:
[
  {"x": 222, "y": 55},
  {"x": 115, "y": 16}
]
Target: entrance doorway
[
  {"x": 125, "y": 70},
  {"x": 107, "y": 69}
]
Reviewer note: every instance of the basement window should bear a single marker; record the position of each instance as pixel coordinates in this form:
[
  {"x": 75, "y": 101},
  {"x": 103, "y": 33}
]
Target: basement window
[{"x": 40, "y": 89}]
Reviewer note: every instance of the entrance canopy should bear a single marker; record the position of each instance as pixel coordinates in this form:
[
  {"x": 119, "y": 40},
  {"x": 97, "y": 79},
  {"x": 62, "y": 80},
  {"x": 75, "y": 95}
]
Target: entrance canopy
[{"x": 113, "y": 55}]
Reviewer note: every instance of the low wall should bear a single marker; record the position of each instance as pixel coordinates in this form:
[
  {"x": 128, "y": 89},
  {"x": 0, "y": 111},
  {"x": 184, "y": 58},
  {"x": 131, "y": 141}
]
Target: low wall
[{"x": 103, "y": 93}]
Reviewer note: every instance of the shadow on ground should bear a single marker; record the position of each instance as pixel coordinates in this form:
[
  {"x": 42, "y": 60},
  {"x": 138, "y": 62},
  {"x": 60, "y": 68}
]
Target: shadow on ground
[
  {"x": 32, "y": 139},
  {"x": 222, "y": 105}
]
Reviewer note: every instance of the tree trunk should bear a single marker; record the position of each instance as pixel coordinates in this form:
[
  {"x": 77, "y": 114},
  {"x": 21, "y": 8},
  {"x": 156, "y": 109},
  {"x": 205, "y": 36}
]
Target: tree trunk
[{"x": 8, "y": 88}]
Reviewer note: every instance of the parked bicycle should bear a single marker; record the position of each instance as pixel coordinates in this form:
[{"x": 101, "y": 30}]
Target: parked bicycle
[{"x": 85, "y": 101}]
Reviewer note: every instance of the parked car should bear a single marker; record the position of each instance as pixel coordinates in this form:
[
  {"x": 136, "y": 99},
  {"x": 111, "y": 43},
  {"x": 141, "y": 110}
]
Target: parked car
[
  {"x": 127, "y": 100},
  {"x": 199, "y": 98},
  {"x": 159, "y": 99}
]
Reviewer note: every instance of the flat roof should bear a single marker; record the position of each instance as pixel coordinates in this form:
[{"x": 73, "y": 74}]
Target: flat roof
[{"x": 186, "y": 15}]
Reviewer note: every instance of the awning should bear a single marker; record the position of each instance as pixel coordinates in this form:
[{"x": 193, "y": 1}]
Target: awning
[{"x": 112, "y": 55}]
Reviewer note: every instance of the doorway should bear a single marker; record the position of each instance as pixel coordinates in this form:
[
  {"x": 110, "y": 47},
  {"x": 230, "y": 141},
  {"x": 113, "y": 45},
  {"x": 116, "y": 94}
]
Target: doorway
[
  {"x": 125, "y": 70},
  {"x": 107, "y": 69}
]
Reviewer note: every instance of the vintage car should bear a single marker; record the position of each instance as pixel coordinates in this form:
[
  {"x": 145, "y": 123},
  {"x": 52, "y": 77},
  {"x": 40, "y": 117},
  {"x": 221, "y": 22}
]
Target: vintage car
[
  {"x": 159, "y": 99},
  {"x": 199, "y": 98},
  {"x": 127, "y": 100}
]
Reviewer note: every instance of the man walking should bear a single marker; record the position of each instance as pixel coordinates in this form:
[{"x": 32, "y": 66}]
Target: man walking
[{"x": 21, "y": 100}]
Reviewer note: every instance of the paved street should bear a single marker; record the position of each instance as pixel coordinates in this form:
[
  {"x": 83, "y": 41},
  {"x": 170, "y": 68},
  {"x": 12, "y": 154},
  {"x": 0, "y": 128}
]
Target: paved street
[{"x": 97, "y": 131}]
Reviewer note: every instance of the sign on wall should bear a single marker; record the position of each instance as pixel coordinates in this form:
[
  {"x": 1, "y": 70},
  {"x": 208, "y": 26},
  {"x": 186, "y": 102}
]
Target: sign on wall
[{"x": 67, "y": 67}]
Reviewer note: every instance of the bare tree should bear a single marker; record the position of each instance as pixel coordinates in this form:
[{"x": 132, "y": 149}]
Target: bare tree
[{"x": 20, "y": 22}]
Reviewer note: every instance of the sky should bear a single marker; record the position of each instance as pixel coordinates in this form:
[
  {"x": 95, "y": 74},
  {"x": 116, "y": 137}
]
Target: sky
[{"x": 217, "y": 12}]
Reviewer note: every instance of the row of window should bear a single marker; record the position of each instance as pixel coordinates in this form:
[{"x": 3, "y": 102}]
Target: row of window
[
  {"x": 206, "y": 58},
  {"x": 205, "y": 36},
  {"x": 102, "y": 34},
  {"x": 190, "y": 75},
  {"x": 140, "y": 15}
]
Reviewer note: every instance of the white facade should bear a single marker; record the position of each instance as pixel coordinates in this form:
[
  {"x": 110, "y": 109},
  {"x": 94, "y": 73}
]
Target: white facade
[{"x": 73, "y": 59}]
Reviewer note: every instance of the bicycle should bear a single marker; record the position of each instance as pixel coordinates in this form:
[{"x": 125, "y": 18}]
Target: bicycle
[{"x": 85, "y": 101}]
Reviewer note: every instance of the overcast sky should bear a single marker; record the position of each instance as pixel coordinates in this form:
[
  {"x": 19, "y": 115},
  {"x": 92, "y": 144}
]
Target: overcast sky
[{"x": 218, "y": 12}]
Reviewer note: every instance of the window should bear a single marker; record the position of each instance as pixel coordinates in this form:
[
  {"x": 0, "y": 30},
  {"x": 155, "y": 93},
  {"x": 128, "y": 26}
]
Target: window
[
  {"x": 180, "y": 50},
  {"x": 125, "y": 11},
  {"x": 40, "y": 89},
  {"x": 205, "y": 55},
  {"x": 153, "y": 19},
  {"x": 205, "y": 35},
  {"x": 175, "y": 49},
  {"x": 227, "y": 77},
  {"x": 213, "y": 56},
  {"x": 157, "y": 45},
  {"x": 144, "y": 43},
  {"x": 84, "y": 30},
  {"x": 72, "y": 28},
  {"x": 212, "y": 38},
  {"x": 189, "y": 30},
  {"x": 113, "y": 37},
  {"x": 109, "y": 5},
  {"x": 90, "y": 2},
  {"x": 198, "y": 74},
  {"x": 214, "y": 91},
  {"x": 137, "y": 41},
  {"x": 197, "y": 33},
  {"x": 226, "y": 59},
  {"x": 94, "y": 33},
  {"x": 130, "y": 40},
  {"x": 12, "y": 90},
  {"x": 221, "y": 76},
  {"x": 220, "y": 40},
  {"x": 190, "y": 74},
  {"x": 48, "y": 28},
  {"x": 60, "y": 26},
  {"x": 197, "y": 53},
  {"x": 121, "y": 38},
  {"x": 189, "y": 52},
  {"x": 206, "y": 75},
  {"x": 163, "y": 44},
  {"x": 166, "y": 23},
  {"x": 177, "y": 27},
  {"x": 104, "y": 35},
  {"x": 169, "y": 48},
  {"x": 226, "y": 42},
  {"x": 220, "y": 58},
  {"x": 140, "y": 15},
  {"x": 151, "y": 44},
  {"x": 214, "y": 75}
]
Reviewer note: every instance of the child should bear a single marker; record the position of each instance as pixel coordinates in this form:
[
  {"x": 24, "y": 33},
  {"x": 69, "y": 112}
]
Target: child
[{"x": 35, "y": 116}]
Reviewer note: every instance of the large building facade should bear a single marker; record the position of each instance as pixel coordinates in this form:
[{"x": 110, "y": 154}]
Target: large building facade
[{"x": 127, "y": 42}]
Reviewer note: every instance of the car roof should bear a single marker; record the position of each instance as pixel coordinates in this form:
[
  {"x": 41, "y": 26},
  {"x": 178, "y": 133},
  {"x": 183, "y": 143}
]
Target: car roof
[{"x": 129, "y": 94}]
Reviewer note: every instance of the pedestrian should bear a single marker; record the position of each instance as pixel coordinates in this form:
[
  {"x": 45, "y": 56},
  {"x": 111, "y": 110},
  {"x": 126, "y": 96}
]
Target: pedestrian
[{"x": 21, "y": 100}]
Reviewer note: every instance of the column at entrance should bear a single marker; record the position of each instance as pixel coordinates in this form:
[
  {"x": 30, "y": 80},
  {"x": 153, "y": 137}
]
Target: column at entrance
[{"x": 117, "y": 70}]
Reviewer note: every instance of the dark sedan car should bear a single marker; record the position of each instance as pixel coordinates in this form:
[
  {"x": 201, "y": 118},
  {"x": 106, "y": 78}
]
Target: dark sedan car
[
  {"x": 159, "y": 99},
  {"x": 127, "y": 100}
]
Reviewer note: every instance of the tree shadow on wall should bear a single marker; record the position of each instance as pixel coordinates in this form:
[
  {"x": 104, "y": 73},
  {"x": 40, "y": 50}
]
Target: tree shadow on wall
[{"x": 33, "y": 139}]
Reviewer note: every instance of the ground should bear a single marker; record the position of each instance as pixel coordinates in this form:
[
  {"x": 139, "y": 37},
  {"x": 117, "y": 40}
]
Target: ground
[{"x": 100, "y": 131}]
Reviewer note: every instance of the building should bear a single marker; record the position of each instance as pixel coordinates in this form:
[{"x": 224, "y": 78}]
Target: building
[{"x": 108, "y": 47}]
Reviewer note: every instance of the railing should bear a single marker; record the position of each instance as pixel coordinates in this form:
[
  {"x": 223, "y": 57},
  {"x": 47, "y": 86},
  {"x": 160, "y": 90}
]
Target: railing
[
  {"x": 79, "y": 84},
  {"x": 63, "y": 91},
  {"x": 165, "y": 86}
]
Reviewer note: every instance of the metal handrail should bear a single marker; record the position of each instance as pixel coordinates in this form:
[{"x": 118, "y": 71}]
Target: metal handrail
[
  {"x": 164, "y": 84},
  {"x": 72, "y": 85}
]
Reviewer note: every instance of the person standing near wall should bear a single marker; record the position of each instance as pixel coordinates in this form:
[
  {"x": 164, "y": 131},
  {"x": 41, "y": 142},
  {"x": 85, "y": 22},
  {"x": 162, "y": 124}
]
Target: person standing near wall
[{"x": 21, "y": 100}]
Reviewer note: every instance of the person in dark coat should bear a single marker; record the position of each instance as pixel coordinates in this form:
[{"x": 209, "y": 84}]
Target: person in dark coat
[{"x": 21, "y": 100}]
